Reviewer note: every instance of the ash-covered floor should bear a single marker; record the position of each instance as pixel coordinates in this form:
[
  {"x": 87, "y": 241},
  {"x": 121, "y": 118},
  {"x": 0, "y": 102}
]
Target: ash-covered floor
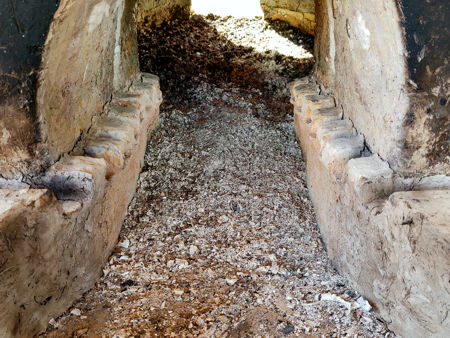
[{"x": 221, "y": 238}]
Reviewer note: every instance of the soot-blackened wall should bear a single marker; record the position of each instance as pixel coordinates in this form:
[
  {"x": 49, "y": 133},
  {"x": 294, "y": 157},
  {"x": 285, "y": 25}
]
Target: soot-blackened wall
[
  {"x": 427, "y": 34},
  {"x": 387, "y": 63},
  {"x": 24, "y": 28}
]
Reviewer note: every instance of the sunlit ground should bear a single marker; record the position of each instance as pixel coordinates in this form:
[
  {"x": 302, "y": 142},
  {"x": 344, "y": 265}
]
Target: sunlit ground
[
  {"x": 238, "y": 8},
  {"x": 255, "y": 33}
]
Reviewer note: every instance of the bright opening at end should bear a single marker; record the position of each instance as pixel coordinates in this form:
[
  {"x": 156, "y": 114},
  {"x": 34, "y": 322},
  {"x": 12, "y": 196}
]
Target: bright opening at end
[
  {"x": 237, "y": 8},
  {"x": 260, "y": 36}
]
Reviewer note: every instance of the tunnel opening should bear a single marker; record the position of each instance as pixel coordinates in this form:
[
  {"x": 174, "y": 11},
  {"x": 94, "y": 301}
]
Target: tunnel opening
[
  {"x": 242, "y": 51},
  {"x": 221, "y": 238}
]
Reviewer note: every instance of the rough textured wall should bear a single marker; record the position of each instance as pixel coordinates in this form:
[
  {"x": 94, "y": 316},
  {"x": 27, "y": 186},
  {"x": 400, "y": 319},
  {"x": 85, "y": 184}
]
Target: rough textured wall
[
  {"x": 391, "y": 244},
  {"x": 360, "y": 55},
  {"x": 428, "y": 41},
  {"x": 24, "y": 27},
  {"x": 298, "y": 13},
  {"x": 155, "y": 12},
  {"x": 89, "y": 52},
  {"x": 373, "y": 57},
  {"x": 54, "y": 241}
]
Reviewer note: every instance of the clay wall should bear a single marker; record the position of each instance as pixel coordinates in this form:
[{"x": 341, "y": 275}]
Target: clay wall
[
  {"x": 69, "y": 85},
  {"x": 387, "y": 65},
  {"x": 75, "y": 117},
  {"x": 60, "y": 75},
  {"x": 373, "y": 123}
]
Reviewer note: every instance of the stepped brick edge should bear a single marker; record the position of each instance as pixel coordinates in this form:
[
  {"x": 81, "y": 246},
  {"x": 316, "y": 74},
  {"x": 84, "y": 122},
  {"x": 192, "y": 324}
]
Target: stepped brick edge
[
  {"x": 387, "y": 234},
  {"x": 57, "y": 231}
]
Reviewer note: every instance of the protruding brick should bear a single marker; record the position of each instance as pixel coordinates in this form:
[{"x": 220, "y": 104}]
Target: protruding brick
[
  {"x": 74, "y": 178},
  {"x": 298, "y": 92},
  {"x": 112, "y": 151},
  {"x": 301, "y": 81},
  {"x": 329, "y": 130},
  {"x": 127, "y": 100},
  {"x": 150, "y": 78},
  {"x": 126, "y": 115},
  {"x": 340, "y": 150},
  {"x": 326, "y": 114},
  {"x": 311, "y": 103},
  {"x": 370, "y": 177}
]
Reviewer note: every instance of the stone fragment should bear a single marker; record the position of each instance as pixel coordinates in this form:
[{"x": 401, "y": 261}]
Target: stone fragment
[
  {"x": 125, "y": 244},
  {"x": 364, "y": 304},
  {"x": 193, "y": 250},
  {"x": 52, "y": 322},
  {"x": 178, "y": 292},
  {"x": 223, "y": 219},
  {"x": 288, "y": 329},
  {"x": 75, "y": 312},
  {"x": 329, "y": 297},
  {"x": 231, "y": 281}
]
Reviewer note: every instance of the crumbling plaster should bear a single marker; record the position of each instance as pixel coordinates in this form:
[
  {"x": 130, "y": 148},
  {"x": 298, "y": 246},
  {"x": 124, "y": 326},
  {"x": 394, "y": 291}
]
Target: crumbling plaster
[{"x": 363, "y": 57}]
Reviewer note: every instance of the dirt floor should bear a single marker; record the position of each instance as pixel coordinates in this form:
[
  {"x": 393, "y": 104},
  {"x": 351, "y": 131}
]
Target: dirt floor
[{"x": 221, "y": 238}]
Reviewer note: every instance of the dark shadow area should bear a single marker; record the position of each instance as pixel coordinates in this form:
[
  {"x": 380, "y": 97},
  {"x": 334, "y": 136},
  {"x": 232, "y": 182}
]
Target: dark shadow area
[
  {"x": 428, "y": 41},
  {"x": 186, "y": 53},
  {"x": 24, "y": 27}
]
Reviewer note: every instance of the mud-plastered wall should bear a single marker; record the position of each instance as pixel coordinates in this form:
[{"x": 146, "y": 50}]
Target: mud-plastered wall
[
  {"x": 60, "y": 63},
  {"x": 76, "y": 113},
  {"x": 373, "y": 123},
  {"x": 82, "y": 66},
  {"x": 387, "y": 63}
]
